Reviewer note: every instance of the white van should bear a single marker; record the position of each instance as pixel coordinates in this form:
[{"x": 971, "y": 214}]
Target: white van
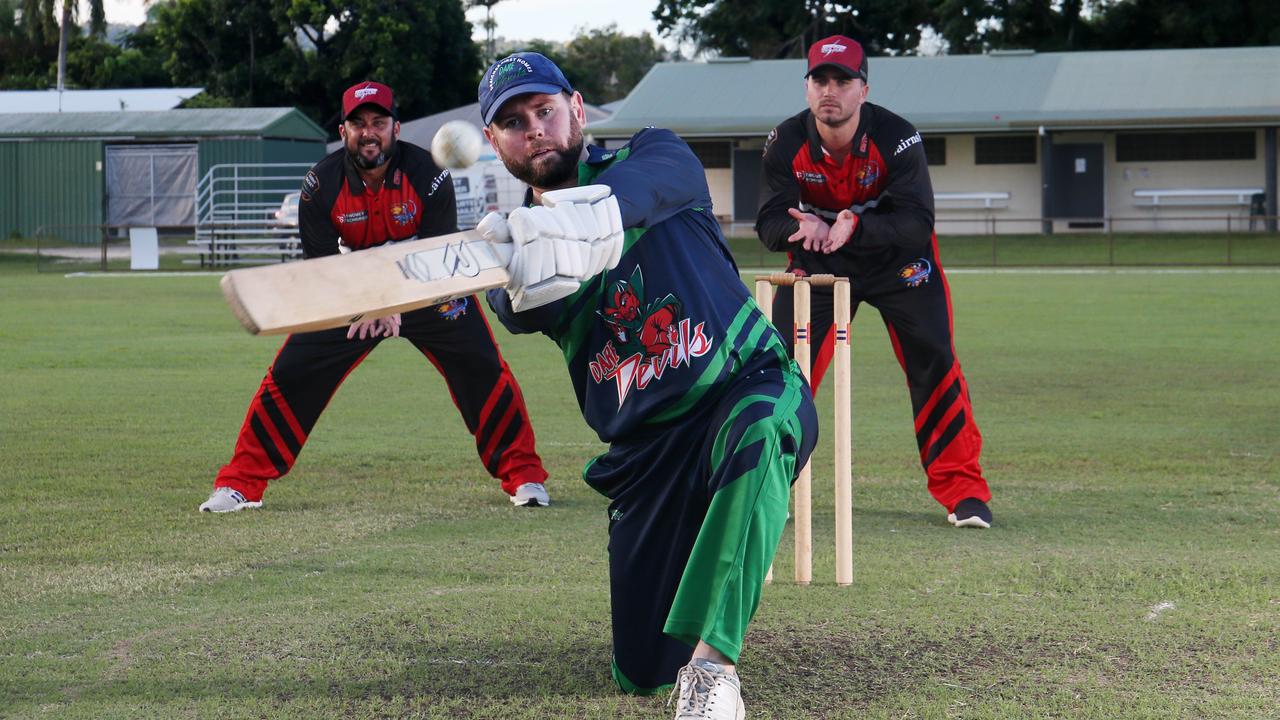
[{"x": 483, "y": 188}]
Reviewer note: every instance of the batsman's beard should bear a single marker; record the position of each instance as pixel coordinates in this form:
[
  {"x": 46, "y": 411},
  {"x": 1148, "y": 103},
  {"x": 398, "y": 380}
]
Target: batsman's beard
[{"x": 558, "y": 169}]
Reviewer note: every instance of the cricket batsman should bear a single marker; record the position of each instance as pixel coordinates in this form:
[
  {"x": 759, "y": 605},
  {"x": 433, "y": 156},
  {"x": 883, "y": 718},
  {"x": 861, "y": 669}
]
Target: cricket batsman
[{"x": 618, "y": 259}]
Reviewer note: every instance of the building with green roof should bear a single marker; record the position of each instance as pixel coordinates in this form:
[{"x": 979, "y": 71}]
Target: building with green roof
[
  {"x": 1017, "y": 140},
  {"x": 68, "y": 174}
]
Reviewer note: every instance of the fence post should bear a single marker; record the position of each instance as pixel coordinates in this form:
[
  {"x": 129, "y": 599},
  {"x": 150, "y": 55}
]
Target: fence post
[{"x": 1111, "y": 240}]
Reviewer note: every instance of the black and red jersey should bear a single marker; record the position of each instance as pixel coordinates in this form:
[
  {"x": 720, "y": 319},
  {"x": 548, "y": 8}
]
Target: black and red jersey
[
  {"x": 885, "y": 181},
  {"x": 416, "y": 200}
]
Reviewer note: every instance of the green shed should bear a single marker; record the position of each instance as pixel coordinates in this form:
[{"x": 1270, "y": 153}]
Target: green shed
[{"x": 70, "y": 173}]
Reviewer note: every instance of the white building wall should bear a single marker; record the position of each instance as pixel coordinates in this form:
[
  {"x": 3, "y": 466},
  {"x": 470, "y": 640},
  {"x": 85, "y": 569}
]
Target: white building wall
[
  {"x": 720, "y": 181},
  {"x": 1132, "y": 214},
  {"x": 1019, "y": 214}
]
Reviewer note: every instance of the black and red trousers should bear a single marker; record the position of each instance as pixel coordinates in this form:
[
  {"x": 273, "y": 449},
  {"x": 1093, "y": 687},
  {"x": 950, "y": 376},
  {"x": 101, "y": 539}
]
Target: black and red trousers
[
  {"x": 915, "y": 304},
  {"x": 455, "y": 337}
]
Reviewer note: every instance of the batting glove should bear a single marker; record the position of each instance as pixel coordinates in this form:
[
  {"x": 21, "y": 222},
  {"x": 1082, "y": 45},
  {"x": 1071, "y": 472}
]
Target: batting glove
[
  {"x": 575, "y": 235},
  {"x": 493, "y": 227},
  {"x": 522, "y": 264},
  {"x": 597, "y": 216}
]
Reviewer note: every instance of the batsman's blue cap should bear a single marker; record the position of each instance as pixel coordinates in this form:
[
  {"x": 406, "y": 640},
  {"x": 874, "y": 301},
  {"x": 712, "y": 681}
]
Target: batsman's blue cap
[{"x": 518, "y": 74}]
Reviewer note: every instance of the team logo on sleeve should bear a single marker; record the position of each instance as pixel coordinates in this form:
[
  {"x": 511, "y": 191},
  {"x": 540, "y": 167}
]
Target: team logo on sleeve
[
  {"x": 768, "y": 142},
  {"x": 907, "y": 143},
  {"x": 647, "y": 338},
  {"x": 310, "y": 184},
  {"x": 915, "y": 274}
]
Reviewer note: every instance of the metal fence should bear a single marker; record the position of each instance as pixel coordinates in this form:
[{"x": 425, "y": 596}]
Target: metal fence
[{"x": 240, "y": 215}]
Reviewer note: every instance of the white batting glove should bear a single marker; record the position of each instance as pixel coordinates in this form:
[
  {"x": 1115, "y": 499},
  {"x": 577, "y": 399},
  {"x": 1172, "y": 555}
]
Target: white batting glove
[
  {"x": 596, "y": 210},
  {"x": 575, "y": 235},
  {"x": 545, "y": 266},
  {"x": 493, "y": 227}
]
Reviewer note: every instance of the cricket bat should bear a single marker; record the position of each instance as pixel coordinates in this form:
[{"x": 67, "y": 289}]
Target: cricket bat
[{"x": 339, "y": 290}]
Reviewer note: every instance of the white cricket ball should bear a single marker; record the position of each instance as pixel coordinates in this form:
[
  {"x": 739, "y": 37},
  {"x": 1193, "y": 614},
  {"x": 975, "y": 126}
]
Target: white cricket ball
[{"x": 456, "y": 144}]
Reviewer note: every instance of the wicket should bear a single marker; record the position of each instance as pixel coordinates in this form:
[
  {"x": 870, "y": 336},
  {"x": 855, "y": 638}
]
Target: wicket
[{"x": 803, "y": 509}]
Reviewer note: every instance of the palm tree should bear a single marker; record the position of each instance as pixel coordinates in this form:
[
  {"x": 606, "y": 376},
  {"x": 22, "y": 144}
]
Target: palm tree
[{"x": 489, "y": 25}]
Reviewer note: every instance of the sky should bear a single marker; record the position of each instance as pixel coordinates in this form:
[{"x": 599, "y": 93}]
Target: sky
[{"x": 517, "y": 19}]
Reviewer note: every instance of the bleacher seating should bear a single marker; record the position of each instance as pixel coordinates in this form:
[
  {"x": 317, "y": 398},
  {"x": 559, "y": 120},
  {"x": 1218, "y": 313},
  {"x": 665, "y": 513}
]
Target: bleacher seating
[
  {"x": 971, "y": 200},
  {"x": 1194, "y": 197}
]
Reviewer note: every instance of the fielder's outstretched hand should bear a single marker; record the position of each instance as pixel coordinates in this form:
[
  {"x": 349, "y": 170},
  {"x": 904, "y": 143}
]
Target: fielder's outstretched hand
[
  {"x": 840, "y": 232},
  {"x": 812, "y": 232}
]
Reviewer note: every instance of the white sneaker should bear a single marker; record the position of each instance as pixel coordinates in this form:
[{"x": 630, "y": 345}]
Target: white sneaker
[
  {"x": 971, "y": 512},
  {"x": 706, "y": 691},
  {"x": 225, "y": 499},
  {"x": 531, "y": 495}
]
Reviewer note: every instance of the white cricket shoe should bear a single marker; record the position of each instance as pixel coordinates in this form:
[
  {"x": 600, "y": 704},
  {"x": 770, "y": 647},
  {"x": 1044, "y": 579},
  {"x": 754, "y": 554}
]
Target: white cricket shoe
[
  {"x": 706, "y": 691},
  {"x": 225, "y": 499},
  {"x": 531, "y": 495},
  {"x": 971, "y": 512}
]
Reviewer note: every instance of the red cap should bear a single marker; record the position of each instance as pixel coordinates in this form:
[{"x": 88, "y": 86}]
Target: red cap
[
  {"x": 368, "y": 93},
  {"x": 839, "y": 52}
]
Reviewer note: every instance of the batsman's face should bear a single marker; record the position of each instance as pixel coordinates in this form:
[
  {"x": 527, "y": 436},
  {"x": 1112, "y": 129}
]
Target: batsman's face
[
  {"x": 539, "y": 138},
  {"x": 834, "y": 97},
  {"x": 369, "y": 135}
]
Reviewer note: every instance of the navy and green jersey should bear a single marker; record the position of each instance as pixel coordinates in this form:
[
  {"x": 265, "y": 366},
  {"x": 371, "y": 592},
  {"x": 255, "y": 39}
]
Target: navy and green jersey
[{"x": 672, "y": 325}]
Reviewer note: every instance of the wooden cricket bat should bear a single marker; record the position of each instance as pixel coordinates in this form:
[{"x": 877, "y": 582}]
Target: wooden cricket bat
[{"x": 339, "y": 290}]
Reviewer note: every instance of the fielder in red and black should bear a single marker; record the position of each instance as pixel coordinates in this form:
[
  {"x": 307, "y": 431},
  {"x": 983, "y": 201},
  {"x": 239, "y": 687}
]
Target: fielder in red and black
[
  {"x": 374, "y": 190},
  {"x": 846, "y": 190}
]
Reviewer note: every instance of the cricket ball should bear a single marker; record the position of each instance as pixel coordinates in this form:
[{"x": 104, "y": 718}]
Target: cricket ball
[{"x": 456, "y": 144}]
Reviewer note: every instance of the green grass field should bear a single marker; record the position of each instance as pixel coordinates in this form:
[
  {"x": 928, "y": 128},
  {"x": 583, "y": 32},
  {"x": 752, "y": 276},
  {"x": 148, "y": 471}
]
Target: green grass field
[
  {"x": 1075, "y": 249},
  {"x": 1081, "y": 249},
  {"x": 1132, "y": 443}
]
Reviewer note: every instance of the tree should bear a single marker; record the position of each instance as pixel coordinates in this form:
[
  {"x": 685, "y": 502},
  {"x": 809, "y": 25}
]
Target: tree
[
  {"x": 28, "y": 44},
  {"x": 97, "y": 19},
  {"x": 1139, "y": 24},
  {"x": 304, "y": 53},
  {"x": 766, "y": 29},
  {"x": 1044, "y": 25},
  {"x": 232, "y": 48},
  {"x": 751, "y": 28},
  {"x": 92, "y": 62},
  {"x": 38, "y": 22},
  {"x": 604, "y": 64},
  {"x": 421, "y": 48},
  {"x": 489, "y": 25}
]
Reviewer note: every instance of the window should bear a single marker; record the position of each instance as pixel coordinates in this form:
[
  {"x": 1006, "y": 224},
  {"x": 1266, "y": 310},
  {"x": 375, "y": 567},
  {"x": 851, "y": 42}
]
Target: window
[
  {"x": 935, "y": 150},
  {"x": 712, "y": 154},
  {"x": 1004, "y": 150},
  {"x": 1173, "y": 146}
]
